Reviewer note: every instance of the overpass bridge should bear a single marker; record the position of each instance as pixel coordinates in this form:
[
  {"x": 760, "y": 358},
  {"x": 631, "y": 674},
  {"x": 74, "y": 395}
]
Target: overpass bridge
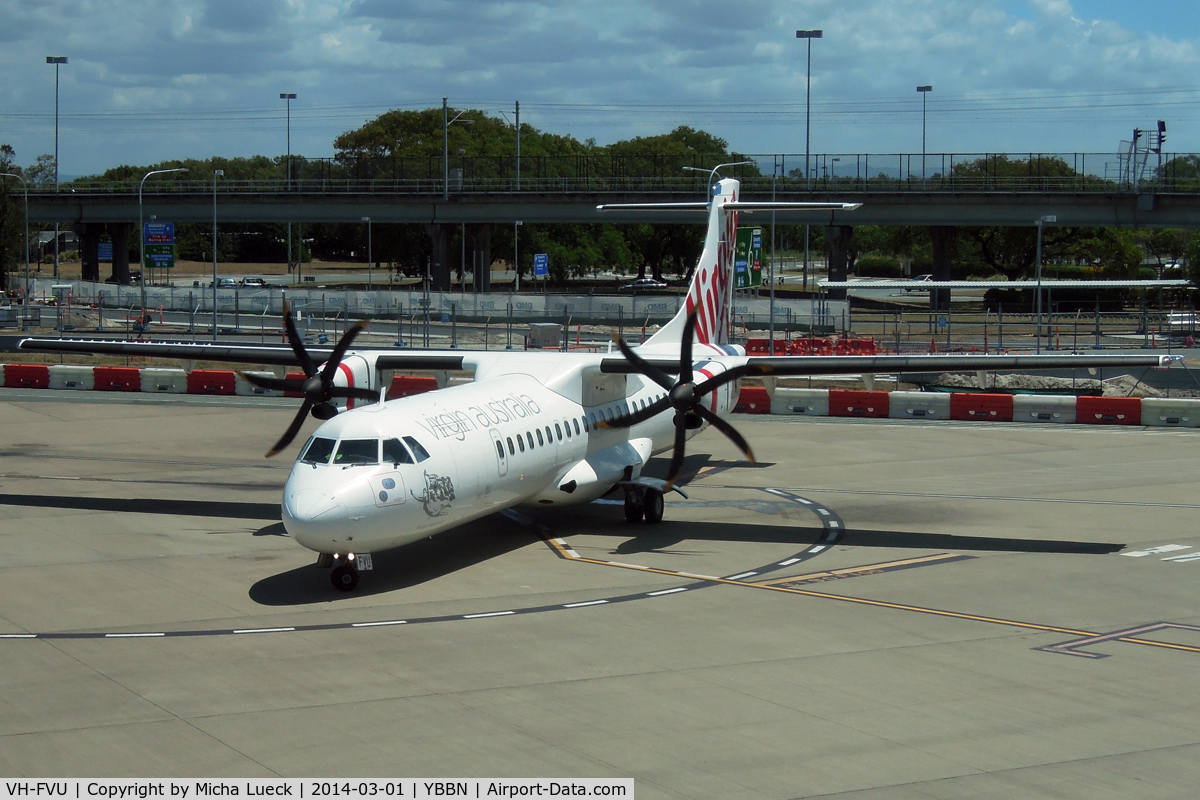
[{"x": 941, "y": 191}]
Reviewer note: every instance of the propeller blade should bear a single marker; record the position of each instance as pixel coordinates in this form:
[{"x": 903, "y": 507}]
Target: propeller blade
[
  {"x": 275, "y": 384},
  {"x": 644, "y": 367},
  {"x": 727, "y": 429},
  {"x": 685, "y": 348},
  {"x": 293, "y": 429},
  {"x": 718, "y": 381},
  {"x": 293, "y": 337},
  {"x": 641, "y": 415},
  {"x": 678, "y": 453},
  {"x": 343, "y": 344},
  {"x": 357, "y": 392}
]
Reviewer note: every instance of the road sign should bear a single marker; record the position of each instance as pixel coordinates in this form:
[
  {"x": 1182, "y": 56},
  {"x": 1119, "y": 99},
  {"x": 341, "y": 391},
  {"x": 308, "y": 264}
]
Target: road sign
[
  {"x": 158, "y": 256},
  {"x": 541, "y": 265},
  {"x": 942, "y": 322},
  {"x": 747, "y": 258},
  {"x": 105, "y": 252},
  {"x": 159, "y": 233}
]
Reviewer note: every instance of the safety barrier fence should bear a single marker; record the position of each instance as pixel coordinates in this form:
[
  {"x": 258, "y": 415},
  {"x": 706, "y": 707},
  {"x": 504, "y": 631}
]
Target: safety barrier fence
[{"x": 900, "y": 405}]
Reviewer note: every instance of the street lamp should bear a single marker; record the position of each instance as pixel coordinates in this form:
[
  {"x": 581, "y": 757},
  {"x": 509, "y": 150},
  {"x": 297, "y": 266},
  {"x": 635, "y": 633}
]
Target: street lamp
[
  {"x": 26, "y": 187},
  {"x": 142, "y": 230},
  {"x": 516, "y": 253},
  {"x": 924, "y": 90},
  {"x": 217, "y": 173},
  {"x": 369, "y": 261},
  {"x": 1040, "y": 222},
  {"x": 446, "y": 123},
  {"x": 56, "y": 61},
  {"x": 809, "y": 36},
  {"x": 289, "y": 97}
]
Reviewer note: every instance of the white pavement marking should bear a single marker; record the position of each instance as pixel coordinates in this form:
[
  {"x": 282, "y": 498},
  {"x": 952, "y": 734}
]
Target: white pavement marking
[
  {"x": 816, "y": 549},
  {"x": 18, "y": 635},
  {"x": 1184, "y": 558},
  {"x": 666, "y": 591},
  {"x": 265, "y": 630},
  {"x": 489, "y": 614},
  {"x": 739, "y": 577},
  {"x": 823, "y": 511},
  {"x": 789, "y": 562},
  {"x": 1165, "y": 548},
  {"x": 833, "y": 523},
  {"x": 572, "y": 553},
  {"x": 131, "y": 635},
  {"x": 588, "y": 603},
  {"x": 623, "y": 564},
  {"x": 379, "y": 624},
  {"x": 699, "y": 577}
]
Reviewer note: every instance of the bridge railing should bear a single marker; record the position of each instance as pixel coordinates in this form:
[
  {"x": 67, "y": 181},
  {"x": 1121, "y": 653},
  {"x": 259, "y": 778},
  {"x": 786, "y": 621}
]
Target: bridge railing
[{"x": 785, "y": 173}]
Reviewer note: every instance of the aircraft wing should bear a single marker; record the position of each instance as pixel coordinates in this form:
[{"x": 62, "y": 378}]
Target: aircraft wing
[
  {"x": 237, "y": 354},
  {"x": 854, "y": 365}
]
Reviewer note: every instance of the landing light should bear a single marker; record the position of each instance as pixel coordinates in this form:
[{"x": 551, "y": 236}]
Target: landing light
[{"x": 349, "y": 556}]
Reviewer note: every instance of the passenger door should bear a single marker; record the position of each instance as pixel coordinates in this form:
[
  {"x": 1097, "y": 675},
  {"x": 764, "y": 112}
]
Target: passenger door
[{"x": 501, "y": 453}]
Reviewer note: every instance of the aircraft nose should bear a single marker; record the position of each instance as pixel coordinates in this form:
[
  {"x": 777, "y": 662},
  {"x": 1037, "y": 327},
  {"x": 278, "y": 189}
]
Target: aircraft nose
[{"x": 311, "y": 517}]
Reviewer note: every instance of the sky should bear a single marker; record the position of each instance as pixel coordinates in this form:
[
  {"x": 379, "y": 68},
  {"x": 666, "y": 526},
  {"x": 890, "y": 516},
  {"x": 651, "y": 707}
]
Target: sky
[{"x": 148, "y": 81}]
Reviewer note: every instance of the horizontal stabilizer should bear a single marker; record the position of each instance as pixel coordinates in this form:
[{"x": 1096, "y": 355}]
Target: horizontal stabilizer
[
  {"x": 654, "y": 206},
  {"x": 749, "y": 207}
]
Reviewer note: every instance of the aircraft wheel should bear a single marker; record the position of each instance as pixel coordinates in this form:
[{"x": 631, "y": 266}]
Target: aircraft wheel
[
  {"x": 633, "y": 508},
  {"x": 344, "y": 578},
  {"x": 652, "y": 505}
]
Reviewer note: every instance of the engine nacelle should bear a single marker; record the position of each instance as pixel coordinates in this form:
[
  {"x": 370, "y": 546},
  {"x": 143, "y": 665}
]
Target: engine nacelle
[{"x": 353, "y": 371}]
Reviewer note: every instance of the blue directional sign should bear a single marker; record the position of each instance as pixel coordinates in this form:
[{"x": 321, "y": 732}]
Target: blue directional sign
[
  {"x": 105, "y": 252},
  {"x": 159, "y": 233},
  {"x": 541, "y": 265}
]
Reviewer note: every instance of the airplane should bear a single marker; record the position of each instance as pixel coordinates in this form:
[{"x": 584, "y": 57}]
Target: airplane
[{"x": 533, "y": 429}]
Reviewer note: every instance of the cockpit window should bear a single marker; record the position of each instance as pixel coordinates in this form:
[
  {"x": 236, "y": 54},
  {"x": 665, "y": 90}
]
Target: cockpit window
[
  {"x": 420, "y": 452},
  {"x": 357, "y": 451},
  {"x": 395, "y": 452},
  {"x": 318, "y": 451}
]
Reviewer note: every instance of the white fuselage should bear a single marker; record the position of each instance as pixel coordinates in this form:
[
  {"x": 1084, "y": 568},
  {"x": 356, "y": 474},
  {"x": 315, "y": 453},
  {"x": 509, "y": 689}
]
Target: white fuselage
[{"x": 502, "y": 441}]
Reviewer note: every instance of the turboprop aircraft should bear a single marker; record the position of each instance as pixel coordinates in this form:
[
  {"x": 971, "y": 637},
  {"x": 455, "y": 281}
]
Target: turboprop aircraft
[{"x": 540, "y": 429}]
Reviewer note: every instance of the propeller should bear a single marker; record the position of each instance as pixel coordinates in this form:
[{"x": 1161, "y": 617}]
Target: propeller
[
  {"x": 317, "y": 386},
  {"x": 684, "y": 395}
]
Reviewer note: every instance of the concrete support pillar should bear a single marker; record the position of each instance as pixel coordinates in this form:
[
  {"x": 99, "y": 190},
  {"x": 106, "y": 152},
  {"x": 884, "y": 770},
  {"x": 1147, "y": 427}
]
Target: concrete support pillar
[
  {"x": 439, "y": 236},
  {"x": 943, "y": 248},
  {"x": 837, "y": 238},
  {"x": 481, "y": 239},
  {"x": 89, "y": 249},
  {"x": 120, "y": 232}
]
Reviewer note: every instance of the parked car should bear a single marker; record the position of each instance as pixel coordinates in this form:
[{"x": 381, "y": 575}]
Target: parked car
[
  {"x": 919, "y": 279},
  {"x": 642, "y": 285},
  {"x": 253, "y": 281}
]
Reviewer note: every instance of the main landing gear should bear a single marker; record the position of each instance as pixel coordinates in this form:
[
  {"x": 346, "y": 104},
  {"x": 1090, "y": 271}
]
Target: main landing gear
[{"x": 643, "y": 503}]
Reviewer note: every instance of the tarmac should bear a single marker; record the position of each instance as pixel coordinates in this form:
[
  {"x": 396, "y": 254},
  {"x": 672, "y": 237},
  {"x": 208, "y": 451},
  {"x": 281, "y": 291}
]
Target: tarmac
[{"x": 878, "y": 609}]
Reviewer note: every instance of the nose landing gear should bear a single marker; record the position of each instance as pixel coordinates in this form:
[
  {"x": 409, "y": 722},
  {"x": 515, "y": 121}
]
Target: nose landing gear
[{"x": 344, "y": 576}]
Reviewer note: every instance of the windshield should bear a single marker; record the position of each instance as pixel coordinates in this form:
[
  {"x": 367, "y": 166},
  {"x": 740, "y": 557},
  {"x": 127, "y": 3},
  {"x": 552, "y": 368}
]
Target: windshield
[
  {"x": 318, "y": 451},
  {"x": 395, "y": 452},
  {"x": 357, "y": 451}
]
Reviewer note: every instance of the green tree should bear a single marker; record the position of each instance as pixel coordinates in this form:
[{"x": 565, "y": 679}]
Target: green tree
[{"x": 12, "y": 218}]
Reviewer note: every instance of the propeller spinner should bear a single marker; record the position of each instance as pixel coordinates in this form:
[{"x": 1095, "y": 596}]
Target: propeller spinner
[
  {"x": 316, "y": 386},
  {"x": 684, "y": 395}
]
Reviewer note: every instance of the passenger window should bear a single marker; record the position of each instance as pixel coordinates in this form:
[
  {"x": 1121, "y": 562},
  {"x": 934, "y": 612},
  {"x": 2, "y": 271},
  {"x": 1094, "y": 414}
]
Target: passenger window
[
  {"x": 550, "y": 436},
  {"x": 558, "y": 430},
  {"x": 512, "y": 451},
  {"x": 396, "y": 452},
  {"x": 529, "y": 438},
  {"x": 539, "y": 433},
  {"x": 420, "y": 452},
  {"x": 357, "y": 451},
  {"x": 575, "y": 422},
  {"x": 520, "y": 443},
  {"x": 567, "y": 425},
  {"x": 608, "y": 414},
  {"x": 500, "y": 450},
  {"x": 318, "y": 451},
  {"x": 586, "y": 427}
]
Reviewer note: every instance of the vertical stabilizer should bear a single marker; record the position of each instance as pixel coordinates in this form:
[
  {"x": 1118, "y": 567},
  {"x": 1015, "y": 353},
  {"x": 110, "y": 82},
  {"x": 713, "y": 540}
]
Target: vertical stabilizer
[{"x": 710, "y": 292}]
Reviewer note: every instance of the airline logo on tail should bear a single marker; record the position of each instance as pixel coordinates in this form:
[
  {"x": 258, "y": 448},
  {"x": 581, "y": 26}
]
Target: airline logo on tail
[{"x": 709, "y": 292}]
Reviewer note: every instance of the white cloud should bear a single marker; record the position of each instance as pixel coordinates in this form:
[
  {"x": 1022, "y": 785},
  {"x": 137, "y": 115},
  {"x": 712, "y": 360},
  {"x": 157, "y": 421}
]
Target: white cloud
[{"x": 1036, "y": 77}]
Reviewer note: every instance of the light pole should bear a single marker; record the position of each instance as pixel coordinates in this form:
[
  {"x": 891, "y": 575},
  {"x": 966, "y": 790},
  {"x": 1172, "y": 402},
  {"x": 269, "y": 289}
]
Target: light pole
[
  {"x": 25, "y": 300},
  {"x": 217, "y": 173},
  {"x": 1040, "y": 222},
  {"x": 142, "y": 230},
  {"x": 56, "y": 61},
  {"x": 808, "y": 35},
  {"x": 516, "y": 254},
  {"x": 289, "y": 97},
  {"x": 446, "y": 123},
  {"x": 924, "y": 90},
  {"x": 369, "y": 261}
]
